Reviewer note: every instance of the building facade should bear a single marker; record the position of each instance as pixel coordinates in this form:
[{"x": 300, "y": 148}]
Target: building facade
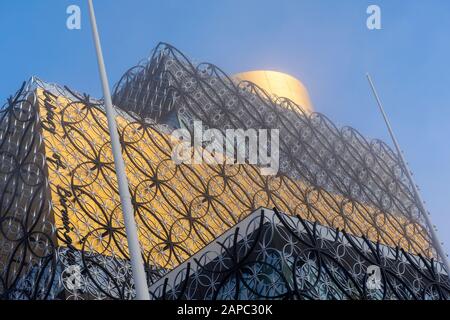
[{"x": 339, "y": 205}]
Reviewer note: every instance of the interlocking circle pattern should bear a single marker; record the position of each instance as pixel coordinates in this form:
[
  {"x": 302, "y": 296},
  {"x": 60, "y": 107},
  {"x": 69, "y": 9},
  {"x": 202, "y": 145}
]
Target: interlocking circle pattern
[{"x": 60, "y": 209}]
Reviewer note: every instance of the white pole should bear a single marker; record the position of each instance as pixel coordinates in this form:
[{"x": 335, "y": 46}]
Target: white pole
[
  {"x": 434, "y": 237},
  {"x": 137, "y": 264}
]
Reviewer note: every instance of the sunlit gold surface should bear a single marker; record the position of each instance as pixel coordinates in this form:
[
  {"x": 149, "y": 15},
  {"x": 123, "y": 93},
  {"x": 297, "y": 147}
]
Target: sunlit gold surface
[
  {"x": 179, "y": 209},
  {"x": 280, "y": 85}
]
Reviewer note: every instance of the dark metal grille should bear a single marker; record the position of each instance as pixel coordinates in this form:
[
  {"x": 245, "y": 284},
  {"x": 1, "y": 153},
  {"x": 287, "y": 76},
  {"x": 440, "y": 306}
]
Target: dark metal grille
[{"x": 275, "y": 256}]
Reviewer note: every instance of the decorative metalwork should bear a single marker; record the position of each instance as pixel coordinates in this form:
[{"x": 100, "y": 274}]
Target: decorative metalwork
[
  {"x": 338, "y": 163},
  {"x": 27, "y": 249},
  {"x": 275, "y": 256},
  {"x": 61, "y": 230}
]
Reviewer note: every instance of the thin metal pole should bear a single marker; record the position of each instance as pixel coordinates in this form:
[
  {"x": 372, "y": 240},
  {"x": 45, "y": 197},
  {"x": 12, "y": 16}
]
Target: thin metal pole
[
  {"x": 137, "y": 264},
  {"x": 434, "y": 237}
]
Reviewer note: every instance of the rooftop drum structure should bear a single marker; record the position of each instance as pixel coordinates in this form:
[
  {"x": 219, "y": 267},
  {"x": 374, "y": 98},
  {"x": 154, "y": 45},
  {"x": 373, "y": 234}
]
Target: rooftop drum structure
[{"x": 279, "y": 85}]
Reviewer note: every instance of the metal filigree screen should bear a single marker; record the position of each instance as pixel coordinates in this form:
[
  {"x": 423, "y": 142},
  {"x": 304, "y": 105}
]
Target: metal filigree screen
[
  {"x": 271, "y": 255},
  {"x": 61, "y": 229}
]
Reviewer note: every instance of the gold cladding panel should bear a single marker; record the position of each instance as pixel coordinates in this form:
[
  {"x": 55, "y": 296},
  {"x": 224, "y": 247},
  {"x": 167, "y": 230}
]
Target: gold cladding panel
[{"x": 179, "y": 209}]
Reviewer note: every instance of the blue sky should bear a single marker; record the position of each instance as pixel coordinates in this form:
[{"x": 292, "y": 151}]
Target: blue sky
[{"x": 325, "y": 43}]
